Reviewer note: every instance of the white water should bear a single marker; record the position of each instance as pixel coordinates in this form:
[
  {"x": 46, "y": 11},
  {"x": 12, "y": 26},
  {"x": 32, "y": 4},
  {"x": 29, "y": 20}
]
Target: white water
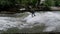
[
  {"x": 50, "y": 19},
  {"x": 7, "y": 22}
]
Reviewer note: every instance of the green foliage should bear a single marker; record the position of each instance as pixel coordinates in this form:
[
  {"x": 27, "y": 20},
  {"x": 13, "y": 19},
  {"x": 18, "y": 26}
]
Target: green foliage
[
  {"x": 28, "y": 2},
  {"x": 49, "y": 3},
  {"x": 57, "y": 2},
  {"x": 6, "y": 2},
  {"x": 10, "y": 3}
]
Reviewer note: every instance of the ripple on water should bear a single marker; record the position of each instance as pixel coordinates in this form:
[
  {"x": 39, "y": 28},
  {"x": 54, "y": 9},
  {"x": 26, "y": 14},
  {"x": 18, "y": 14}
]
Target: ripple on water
[{"x": 50, "y": 19}]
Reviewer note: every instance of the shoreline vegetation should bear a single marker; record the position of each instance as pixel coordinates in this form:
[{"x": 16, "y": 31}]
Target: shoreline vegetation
[{"x": 14, "y": 6}]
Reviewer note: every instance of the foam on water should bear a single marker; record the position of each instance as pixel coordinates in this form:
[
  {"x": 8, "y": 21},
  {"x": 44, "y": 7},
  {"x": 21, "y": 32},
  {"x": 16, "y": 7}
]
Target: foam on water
[
  {"x": 50, "y": 19},
  {"x": 8, "y": 22}
]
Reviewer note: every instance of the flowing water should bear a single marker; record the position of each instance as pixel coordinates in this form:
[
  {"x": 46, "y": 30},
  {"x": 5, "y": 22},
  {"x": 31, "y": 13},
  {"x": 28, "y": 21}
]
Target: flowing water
[{"x": 51, "y": 20}]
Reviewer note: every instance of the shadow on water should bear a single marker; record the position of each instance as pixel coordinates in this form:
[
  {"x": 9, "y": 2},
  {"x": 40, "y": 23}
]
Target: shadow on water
[{"x": 35, "y": 29}]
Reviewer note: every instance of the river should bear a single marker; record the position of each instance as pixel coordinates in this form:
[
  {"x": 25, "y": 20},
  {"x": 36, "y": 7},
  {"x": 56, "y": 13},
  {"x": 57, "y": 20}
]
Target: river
[{"x": 50, "y": 19}]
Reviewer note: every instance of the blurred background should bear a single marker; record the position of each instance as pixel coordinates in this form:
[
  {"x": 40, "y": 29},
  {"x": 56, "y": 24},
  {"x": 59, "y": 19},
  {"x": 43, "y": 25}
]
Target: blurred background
[{"x": 29, "y": 16}]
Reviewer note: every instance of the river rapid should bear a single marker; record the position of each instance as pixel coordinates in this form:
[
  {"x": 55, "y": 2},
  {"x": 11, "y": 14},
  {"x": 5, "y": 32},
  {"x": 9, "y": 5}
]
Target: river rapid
[{"x": 50, "y": 19}]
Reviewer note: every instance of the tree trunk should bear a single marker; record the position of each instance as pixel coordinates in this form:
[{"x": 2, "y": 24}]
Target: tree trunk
[{"x": 38, "y": 2}]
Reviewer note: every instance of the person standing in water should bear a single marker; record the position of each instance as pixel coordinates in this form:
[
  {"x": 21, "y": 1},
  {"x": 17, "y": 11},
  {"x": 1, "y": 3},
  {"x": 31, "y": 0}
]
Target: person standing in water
[{"x": 31, "y": 11}]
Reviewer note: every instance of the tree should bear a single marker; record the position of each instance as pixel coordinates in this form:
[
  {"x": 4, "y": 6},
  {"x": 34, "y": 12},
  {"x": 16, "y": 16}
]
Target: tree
[
  {"x": 57, "y": 2},
  {"x": 49, "y": 2}
]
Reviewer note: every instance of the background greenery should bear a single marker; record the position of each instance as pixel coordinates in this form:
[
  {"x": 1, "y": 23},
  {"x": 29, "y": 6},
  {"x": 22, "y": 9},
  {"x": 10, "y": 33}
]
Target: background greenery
[{"x": 28, "y": 2}]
